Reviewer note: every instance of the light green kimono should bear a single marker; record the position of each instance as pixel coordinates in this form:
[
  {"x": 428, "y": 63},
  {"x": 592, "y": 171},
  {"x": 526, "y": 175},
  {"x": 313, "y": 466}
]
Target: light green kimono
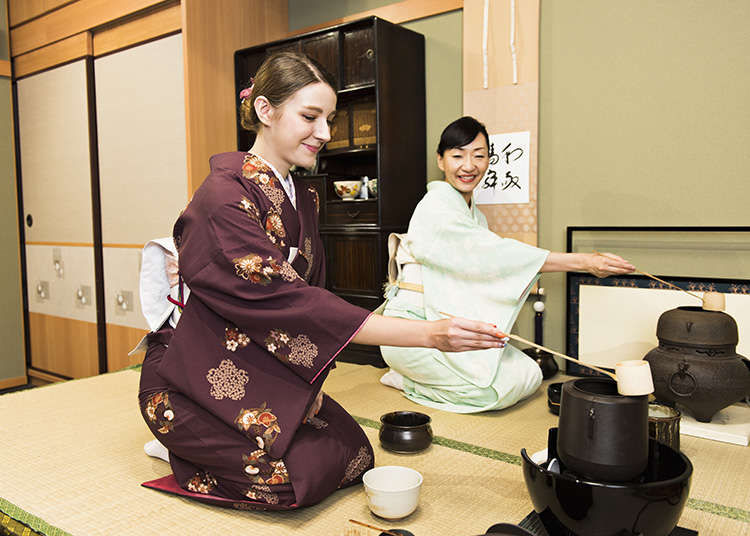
[{"x": 468, "y": 271}]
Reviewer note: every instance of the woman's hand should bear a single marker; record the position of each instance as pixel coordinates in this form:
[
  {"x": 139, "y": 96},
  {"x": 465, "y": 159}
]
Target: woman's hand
[
  {"x": 460, "y": 335},
  {"x": 606, "y": 264},
  {"x": 315, "y": 407}
]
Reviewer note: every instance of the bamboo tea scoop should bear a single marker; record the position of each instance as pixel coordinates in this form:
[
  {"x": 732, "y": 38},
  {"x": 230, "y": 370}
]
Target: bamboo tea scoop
[{"x": 633, "y": 377}]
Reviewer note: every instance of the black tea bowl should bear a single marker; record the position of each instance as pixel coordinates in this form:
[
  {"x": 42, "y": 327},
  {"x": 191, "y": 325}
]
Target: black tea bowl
[
  {"x": 405, "y": 432},
  {"x": 554, "y": 390},
  {"x": 570, "y": 504}
]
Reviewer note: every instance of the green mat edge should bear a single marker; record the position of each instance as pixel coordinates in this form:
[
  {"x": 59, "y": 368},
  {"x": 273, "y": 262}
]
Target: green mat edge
[
  {"x": 33, "y": 522},
  {"x": 721, "y": 510}
]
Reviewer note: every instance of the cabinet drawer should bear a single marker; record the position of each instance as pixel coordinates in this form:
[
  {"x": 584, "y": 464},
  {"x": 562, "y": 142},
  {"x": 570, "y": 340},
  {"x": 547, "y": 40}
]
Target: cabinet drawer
[{"x": 343, "y": 212}]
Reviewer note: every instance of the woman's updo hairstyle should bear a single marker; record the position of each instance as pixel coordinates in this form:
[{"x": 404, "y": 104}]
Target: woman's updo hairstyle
[
  {"x": 461, "y": 132},
  {"x": 277, "y": 79}
]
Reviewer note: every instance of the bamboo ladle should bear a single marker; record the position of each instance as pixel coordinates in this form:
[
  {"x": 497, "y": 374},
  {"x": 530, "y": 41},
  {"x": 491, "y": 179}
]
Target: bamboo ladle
[
  {"x": 633, "y": 376},
  {"x": 711, "y": 301}
]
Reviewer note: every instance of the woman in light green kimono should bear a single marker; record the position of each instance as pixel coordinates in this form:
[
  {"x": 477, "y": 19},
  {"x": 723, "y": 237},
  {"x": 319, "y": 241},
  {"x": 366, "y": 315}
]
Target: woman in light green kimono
[{"x": 451, "y": 263}]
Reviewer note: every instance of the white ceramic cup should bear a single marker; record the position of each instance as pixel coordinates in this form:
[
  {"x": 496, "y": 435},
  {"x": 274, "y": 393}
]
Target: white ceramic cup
[
  {"x": 392, "y": 491},
  {"x": 634, "y": 378}
]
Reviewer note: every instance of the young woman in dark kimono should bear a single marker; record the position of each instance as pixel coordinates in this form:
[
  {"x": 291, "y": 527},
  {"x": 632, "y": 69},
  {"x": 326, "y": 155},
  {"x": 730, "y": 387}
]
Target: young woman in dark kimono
[{"x": 234, "y": 391}]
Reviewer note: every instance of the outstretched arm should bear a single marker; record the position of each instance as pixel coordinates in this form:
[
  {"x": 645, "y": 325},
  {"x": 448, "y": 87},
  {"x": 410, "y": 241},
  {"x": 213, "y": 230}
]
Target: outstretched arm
[
  {"x": 449, "y": 335},
  {"x": 598, "y": 264}
]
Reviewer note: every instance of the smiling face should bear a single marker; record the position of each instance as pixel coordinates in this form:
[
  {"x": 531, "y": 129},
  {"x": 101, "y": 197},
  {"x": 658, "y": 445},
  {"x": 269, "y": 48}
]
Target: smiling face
[
  {"x": 294, "y": 132},
  {"x": 465, "y": 166}
]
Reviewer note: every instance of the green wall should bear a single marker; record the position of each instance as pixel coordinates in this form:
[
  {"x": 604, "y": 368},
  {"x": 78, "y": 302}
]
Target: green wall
[
  {"x": 443, "y": 59},
  {"x": 12, "y": 356},
  {"x": 644, "y": 116},
  {"x": 644, "y": 120}
]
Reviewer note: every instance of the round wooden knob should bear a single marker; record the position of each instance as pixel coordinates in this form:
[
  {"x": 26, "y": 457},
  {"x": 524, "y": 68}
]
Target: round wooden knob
[{"x": 714, "y": 301}]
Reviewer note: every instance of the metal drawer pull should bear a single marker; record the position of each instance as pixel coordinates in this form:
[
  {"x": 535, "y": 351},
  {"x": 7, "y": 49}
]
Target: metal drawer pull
[{"x": 352, "y": 214}]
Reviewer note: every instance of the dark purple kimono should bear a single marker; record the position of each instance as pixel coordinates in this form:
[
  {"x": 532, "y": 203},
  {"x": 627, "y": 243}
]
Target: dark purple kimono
[{"x": 228, "y": 390}]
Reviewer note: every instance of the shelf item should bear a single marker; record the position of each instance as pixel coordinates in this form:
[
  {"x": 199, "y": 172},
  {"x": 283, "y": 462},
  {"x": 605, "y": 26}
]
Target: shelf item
[
  {"x": 378, "y": 130},
  {"x": 339, "y": 130}
]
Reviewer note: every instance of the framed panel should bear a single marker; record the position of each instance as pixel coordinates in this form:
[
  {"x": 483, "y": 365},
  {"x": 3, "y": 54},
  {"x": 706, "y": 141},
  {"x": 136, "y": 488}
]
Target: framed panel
[{"x": 613, "y": 319}]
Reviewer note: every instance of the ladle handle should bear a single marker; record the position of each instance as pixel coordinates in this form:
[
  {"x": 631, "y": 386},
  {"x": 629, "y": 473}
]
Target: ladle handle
[
  {"x": 558, "y": 354},
  {"x": 545, "y": 349}
]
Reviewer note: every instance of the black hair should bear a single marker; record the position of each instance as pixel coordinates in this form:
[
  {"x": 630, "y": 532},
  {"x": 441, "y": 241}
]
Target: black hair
[{"x": 461, "y": 132}]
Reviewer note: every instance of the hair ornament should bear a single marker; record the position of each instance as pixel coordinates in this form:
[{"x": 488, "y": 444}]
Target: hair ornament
[{"x": 245, "y": 93}]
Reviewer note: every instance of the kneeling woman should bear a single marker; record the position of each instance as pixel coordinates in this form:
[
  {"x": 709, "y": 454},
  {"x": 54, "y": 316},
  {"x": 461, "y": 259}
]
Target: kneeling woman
[
  {"x": 234, "y": 390},
  {"x": 450, "y": 262}
]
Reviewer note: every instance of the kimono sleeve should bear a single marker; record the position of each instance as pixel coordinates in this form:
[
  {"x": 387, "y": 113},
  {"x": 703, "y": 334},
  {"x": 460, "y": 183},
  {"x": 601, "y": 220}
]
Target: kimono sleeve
[{"x": 248, "y": 282}]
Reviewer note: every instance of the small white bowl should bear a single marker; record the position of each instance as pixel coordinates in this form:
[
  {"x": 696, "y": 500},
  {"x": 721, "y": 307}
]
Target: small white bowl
[
  {"x": 347, "y": 190},
  {"x": 392, "y": 491}
]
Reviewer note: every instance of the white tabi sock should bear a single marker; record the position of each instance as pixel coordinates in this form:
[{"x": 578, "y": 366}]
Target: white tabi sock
[
  {"x": 155, "y": 449},
  {"x": 393, "y": 379}
]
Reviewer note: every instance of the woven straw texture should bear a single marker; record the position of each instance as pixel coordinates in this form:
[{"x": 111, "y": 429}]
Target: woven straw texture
[{"x": 72, "y": 462}]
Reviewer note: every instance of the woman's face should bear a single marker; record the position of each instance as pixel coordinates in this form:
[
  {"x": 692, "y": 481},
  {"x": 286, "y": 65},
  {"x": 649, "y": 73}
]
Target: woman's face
[
  {"x": 464, "y": 166},
  {"x": 300, "y": 127}
]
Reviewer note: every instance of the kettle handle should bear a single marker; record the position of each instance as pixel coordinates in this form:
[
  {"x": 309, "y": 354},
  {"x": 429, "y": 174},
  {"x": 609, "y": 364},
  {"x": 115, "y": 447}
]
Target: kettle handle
[{"x": 682, "y": 372}]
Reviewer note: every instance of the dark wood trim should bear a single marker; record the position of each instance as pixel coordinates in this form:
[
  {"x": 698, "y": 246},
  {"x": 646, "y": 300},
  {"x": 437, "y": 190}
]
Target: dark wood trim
[
  {"x": 21, "y": 229},
  {"x": 96, "y": 216}
]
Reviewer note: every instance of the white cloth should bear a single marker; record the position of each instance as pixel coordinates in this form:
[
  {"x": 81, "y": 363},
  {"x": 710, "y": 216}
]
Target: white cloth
[{"x": 159, "y": 279}]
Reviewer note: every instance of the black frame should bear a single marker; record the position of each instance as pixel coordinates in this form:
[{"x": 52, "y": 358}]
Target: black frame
[{"x": 574, "y": 280}]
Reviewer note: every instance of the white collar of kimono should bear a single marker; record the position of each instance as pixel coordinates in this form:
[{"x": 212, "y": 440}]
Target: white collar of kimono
[
  {"x": 455, "y": 196},
  {"x": 286, "y": 183}
]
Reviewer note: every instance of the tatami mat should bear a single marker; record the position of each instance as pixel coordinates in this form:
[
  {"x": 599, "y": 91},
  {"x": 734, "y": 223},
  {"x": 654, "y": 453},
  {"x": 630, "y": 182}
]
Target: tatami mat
[{"x": 72, "y": 461}]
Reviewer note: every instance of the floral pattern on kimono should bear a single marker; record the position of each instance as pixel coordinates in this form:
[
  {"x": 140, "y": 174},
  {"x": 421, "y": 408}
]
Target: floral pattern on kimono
[
  {"x": 227, "y": 381},
  {"x": 158, "y": 406},
  {"x": 201, "y": 483},
  {"x": 234, "y": 338},
  {"x": 257, "y": 171},
  {"x": 260, "y": 425},
  {"x": 357, "y": 466},
  {"x": 299, "y": 350},
  {"x": 275, "y": 228},
  {"x": 307, "y": 253},
  {"x": 317, "y": 423},
  {"x": 250, "y": 209},
  {"x": 262, "y": 493},
  {"x": 263, "y": 470},
  {"x": 254, "y": 269}
]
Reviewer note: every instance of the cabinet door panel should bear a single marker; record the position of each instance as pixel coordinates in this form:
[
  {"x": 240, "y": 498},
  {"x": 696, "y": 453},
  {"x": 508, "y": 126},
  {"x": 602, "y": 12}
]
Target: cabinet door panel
[
  {"x": 140, "y": 107},
  {"x": 53, "y": 135},
  {"x": 359, "y": 57},
  {"x": 353, "y": 263},
  {"x": 325, "y": 50}
]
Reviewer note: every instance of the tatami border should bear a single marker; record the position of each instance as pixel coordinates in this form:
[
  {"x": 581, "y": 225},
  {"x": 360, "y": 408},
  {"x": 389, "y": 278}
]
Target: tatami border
[
  {"x": 730, "y": 512},
  {"x": 13, "y": 513}
]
